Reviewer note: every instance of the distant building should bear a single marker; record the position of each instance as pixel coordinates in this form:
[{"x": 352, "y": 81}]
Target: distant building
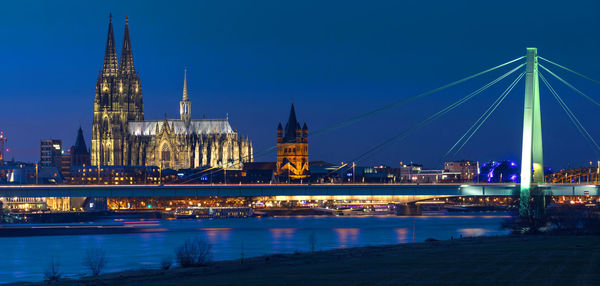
[
  {"x": 259, "y": 172},
  {"x": 499, "y": 172},
  {"x": 118, "y": 175},
  {"x": 50, "y": 153},
  {"x": 292, "y": 148},
  {"x": 468, "y": 169},
  {"x": 121, "y": 136},
  {"x": 80, "y": 154},
  {"x": 435, "y": 176},
  {"x": 65, "y": 166},
  {"x": 408, "y": 172},
  {"x": 21, "y": 173}
]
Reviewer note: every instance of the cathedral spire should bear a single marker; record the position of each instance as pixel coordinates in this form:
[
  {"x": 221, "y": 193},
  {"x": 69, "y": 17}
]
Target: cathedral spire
[
  {"x": 185, "y": 105},
  {"x": 110, "y": 54},
  {"x": 127, "y": 66},
  {"x": 185, "y": 90}
]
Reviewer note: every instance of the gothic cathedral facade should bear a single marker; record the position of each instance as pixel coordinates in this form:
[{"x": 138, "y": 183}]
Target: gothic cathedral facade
[{"x": 121, "y": 136}]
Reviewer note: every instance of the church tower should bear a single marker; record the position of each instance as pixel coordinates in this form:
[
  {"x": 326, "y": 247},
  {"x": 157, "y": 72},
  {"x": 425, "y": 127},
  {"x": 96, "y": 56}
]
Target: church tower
[
  {"x": 118, "y": 100},
  {"x": 130, "y": 87},
  {"x": 292, "y": 148},
  {"x": 185, "y": 105}
]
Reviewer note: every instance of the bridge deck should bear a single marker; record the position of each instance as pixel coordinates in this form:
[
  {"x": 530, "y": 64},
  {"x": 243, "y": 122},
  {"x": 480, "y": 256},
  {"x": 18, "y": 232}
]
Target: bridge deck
[{"x": 287, "y": 190}]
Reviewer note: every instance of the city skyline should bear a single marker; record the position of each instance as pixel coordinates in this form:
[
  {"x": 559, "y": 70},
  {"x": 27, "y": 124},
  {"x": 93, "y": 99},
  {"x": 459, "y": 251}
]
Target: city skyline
[{"x": 326, "y": 74}]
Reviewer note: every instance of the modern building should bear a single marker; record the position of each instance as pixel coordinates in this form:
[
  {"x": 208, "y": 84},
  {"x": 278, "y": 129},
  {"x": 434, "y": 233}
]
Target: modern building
[
  {"x": 50, "y": 153},
  {"x": 118, "y": 175},
  {"x": 121, "y": 136},
  {"x": 65, "y": 166},
  {"x": 20, "y": 173},
  {"x": 292, "y": 149},
  {"x": 409, "y": 171},
  {"x": 467, "y": 169}
]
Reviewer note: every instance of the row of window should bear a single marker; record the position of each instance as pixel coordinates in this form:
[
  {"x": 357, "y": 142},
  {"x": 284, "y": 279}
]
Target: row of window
[{"x": 293, "y": 150}]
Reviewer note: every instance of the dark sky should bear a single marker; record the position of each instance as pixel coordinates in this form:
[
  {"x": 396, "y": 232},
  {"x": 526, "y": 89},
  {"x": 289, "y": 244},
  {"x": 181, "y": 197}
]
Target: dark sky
[{"x": 336, "y": 59}]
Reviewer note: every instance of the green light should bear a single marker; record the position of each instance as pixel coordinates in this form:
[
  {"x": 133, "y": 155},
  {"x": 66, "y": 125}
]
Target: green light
[{"x": 532, "y": 152}]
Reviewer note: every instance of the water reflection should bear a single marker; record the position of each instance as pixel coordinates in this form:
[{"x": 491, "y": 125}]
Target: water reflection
[
  {"x": 347, "y": 237},
  {"x": 25, "y": 258},
  {"x": 401, "y": 235},
  {"x": 217, "y": 235},
  {"x": 473, "y": 231}
]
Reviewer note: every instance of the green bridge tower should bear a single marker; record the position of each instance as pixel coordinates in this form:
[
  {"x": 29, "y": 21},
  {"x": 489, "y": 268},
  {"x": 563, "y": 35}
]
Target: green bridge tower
[{"x": 532, "y": 153}]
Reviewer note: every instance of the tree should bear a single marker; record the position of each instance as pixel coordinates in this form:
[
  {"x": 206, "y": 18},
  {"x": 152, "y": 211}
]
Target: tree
[
  {"x": 95, "y": 260},
  {"x": 194, "y": 252}
]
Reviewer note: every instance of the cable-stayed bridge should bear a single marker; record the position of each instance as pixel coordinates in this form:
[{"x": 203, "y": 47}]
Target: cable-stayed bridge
[{"x": 531, "y": 186}]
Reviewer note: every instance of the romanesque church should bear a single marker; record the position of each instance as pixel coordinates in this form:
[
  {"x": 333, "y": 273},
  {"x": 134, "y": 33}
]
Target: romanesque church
[{"x": 121, "y": 136}]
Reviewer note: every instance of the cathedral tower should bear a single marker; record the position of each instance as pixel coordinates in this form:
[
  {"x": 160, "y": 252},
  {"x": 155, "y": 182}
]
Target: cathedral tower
[{"x": 118, "y": 99}]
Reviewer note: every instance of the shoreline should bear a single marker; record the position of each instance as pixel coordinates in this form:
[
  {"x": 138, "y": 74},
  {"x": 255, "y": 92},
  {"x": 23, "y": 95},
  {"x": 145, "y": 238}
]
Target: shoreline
[{"x": 496, "y": 260}]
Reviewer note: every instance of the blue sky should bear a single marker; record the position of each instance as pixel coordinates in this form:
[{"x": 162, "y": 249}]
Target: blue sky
[{"x": 336, "y": 59}]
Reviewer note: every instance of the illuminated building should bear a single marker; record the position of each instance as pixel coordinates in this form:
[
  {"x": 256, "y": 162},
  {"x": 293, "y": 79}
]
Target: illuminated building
[
  {"x": 118, "y": 175},
  {"x": 499, "y": 172},
  {"x": 188, "y": 143},
  {"x": 50, "y": 153},
  {"x": 26, "y": 173},
  {"x": 292, "y": 148},
  {"x": 468, "y": 169},
  {"x": 121, "y": 136},
  {"x": 118, "y": 99},
  {"x": 408, "y": 171}
]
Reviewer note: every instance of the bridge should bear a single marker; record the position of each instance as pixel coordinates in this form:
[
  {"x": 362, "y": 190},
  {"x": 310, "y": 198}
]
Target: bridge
[
  {"x": 408, "y": 191},
  {"x": 532, "y": 189}
]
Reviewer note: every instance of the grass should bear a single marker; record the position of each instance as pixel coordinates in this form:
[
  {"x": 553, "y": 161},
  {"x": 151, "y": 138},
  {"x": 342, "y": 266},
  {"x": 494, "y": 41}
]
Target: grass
[{"x": 513, "y": 260}]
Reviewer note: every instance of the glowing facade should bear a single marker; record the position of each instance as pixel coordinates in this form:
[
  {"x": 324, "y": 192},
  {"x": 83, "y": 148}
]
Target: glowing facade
[
  {"x": 118, "y": 100},
  {"x": 292, "y": 148},
  {"x": 121, "y": 136}
]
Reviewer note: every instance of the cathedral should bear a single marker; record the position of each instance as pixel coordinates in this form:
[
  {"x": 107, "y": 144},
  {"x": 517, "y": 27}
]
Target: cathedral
[{"x": 121, "y": 136}]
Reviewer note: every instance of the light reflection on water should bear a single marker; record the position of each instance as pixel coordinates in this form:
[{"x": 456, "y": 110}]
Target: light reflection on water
[
  {"x": 401, "y": 235},
  {"x": 473, "y": 231},
  {"x": 26, "y": 258}
]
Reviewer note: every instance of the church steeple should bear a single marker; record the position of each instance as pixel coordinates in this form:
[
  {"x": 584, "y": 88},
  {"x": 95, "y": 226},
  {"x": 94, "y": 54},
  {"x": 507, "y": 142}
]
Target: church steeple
[
  {"x": 110, "y": 67},
  {"x": 185, "y": 105},
  {"x": 291, "y": 126},
  {"x": 185, "y": 90},
  {"x": 127, "y": 67}
]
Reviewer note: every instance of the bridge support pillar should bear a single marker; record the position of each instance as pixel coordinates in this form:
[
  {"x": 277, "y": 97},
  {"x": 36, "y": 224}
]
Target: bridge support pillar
[{"x": 532, "y": 152}]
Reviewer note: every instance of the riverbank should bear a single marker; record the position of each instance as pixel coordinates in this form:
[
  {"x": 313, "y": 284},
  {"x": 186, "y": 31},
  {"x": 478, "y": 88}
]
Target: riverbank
[{"x": 507, "y": 260}]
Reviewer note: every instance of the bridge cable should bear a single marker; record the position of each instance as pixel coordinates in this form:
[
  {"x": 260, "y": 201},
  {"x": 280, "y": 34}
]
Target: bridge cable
[
  {"x": 570, "y": 114},
  {"x": 570, "y": 85},
  {"x": 570, "y": 70},
  {"x": 365, "y": 115},
  {"x": 406, "y": 100},
  {"x": 403, "y": 133},
  {"x": 481, "y": 120}
]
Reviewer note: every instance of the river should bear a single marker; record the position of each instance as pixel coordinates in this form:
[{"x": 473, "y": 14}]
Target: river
[{"x": 26, "y": 258}]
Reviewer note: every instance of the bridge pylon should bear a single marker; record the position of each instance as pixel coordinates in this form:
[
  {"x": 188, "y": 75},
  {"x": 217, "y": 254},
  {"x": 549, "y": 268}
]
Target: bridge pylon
[{"x": 532, "y": 152}]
